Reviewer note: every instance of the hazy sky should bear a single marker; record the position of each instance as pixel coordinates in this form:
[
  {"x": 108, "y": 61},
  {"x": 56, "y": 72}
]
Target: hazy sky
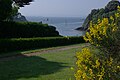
[{"x": 62, "y": 8}]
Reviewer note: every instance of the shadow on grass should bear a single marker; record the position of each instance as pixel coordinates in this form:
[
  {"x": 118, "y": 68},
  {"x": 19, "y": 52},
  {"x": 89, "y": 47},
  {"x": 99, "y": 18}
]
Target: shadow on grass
[{"x": 28, "y": 67}]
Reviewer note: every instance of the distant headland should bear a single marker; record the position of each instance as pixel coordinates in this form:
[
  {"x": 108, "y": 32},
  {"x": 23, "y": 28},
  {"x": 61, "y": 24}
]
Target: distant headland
[{"x": 96, "y": 14}]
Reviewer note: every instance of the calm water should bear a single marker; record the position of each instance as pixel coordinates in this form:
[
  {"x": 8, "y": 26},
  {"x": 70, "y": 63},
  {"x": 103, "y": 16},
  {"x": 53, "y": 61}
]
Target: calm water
[{"x": 65, "y": 25}]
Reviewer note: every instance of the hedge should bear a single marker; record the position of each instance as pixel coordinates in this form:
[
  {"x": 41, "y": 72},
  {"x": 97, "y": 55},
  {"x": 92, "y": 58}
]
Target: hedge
[
  {"x": 7, "y": 45},
  {"x": 26, "y": 30}
]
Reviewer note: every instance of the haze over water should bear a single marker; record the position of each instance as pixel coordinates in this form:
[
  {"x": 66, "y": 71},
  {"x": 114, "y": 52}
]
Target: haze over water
[{"x": 65, "y": 25}]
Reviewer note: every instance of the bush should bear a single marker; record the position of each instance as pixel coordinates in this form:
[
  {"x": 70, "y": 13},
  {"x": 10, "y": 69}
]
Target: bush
[
  {"x": 105, "y": 35},
  {"x": 26, "y": 30},
  {"x": 92, "y": 66},
  {"x": 104, "y": 65},
  {"x": 7, "y": 45},
  {"x": 109, "y": 10}
]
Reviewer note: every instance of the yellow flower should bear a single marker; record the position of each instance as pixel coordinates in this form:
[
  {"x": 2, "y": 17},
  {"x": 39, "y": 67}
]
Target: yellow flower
[
  {"x": 100, "y": 77},
  {"x": 84, "y": 75},
  {"x": 90, "y": 71},
  {"x": 117, "y": 15},
  {"x": 111, "y": 18},
  {"x": 118, "y": 67},
  {"x": 97, "y": 63},
  {"x": 118, "y": 8}
]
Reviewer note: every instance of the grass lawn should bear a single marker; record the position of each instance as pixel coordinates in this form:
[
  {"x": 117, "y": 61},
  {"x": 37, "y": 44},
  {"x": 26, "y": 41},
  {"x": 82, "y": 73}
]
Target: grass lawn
[{"x": 48, "y": 66}]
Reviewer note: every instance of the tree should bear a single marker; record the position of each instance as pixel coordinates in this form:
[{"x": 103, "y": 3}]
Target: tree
[
  {"x": 21, "y": 3},
  {"x": 7, "y": 9}
]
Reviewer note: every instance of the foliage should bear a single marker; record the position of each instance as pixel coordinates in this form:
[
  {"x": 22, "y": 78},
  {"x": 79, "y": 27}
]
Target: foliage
[
  {"x": 14, "y": 12},
  {"x": 109, "y": 10},
  {"x": 104, "y": 65},
  {"x": 8, "y": 8},
  {"x": 7, "y": 45},
  {"x": 105, "y": 34},
  {"x": 111, "y": 6},
  {"x": 26, "y": 30},
  {"x": 21, "y": 3},
  {"x": 5, "y": 9},
  {"x": 92, "y": 67}
]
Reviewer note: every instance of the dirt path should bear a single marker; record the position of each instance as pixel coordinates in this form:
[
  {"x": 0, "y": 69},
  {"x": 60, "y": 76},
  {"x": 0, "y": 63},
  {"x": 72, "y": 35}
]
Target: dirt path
[{"x": 49, "y": 50}]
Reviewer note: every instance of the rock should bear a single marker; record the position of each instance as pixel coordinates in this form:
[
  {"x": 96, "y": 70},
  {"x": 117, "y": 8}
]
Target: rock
[{"x": 19, "y": 18}]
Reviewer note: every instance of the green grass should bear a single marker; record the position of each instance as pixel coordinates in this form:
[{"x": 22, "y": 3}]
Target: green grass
[{"x": 48, "y": 66}]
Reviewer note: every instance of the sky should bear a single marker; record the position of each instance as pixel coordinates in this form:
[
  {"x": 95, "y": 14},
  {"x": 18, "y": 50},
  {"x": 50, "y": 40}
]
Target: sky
[{"x": 62, "y": 8}]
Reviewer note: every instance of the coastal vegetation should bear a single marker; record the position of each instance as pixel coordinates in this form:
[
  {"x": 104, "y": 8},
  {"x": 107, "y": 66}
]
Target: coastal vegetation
[
  {"x": 102, "y": 65},
  {"x": 109, "y": 10}
]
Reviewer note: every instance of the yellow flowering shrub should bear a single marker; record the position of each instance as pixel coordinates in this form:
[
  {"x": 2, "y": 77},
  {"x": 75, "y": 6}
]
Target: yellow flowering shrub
[
  {"x": 91, "y": 67},
  {"x": 105, "y": 35}
]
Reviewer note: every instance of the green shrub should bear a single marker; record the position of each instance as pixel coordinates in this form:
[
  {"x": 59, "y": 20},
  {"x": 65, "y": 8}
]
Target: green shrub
[
  {"x": 32, "y": 43},
  {"x": 26, "y": 30}
]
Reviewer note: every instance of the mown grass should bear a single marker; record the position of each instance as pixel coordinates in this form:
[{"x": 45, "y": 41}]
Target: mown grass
[{"x": 48, "y": 66}]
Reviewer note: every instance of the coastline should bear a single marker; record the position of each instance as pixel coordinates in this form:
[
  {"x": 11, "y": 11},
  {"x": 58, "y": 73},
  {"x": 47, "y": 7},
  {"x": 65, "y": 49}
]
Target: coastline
[{"x": 66, "y": 26}]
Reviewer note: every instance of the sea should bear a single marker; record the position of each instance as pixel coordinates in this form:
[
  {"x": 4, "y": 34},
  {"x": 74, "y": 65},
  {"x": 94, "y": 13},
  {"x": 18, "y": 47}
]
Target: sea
[{"x": 64, "y": 25}]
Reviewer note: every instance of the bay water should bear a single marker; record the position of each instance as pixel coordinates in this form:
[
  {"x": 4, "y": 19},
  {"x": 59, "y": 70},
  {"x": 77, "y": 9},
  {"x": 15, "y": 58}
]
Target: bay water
[{"x": 64, "y": 25}]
